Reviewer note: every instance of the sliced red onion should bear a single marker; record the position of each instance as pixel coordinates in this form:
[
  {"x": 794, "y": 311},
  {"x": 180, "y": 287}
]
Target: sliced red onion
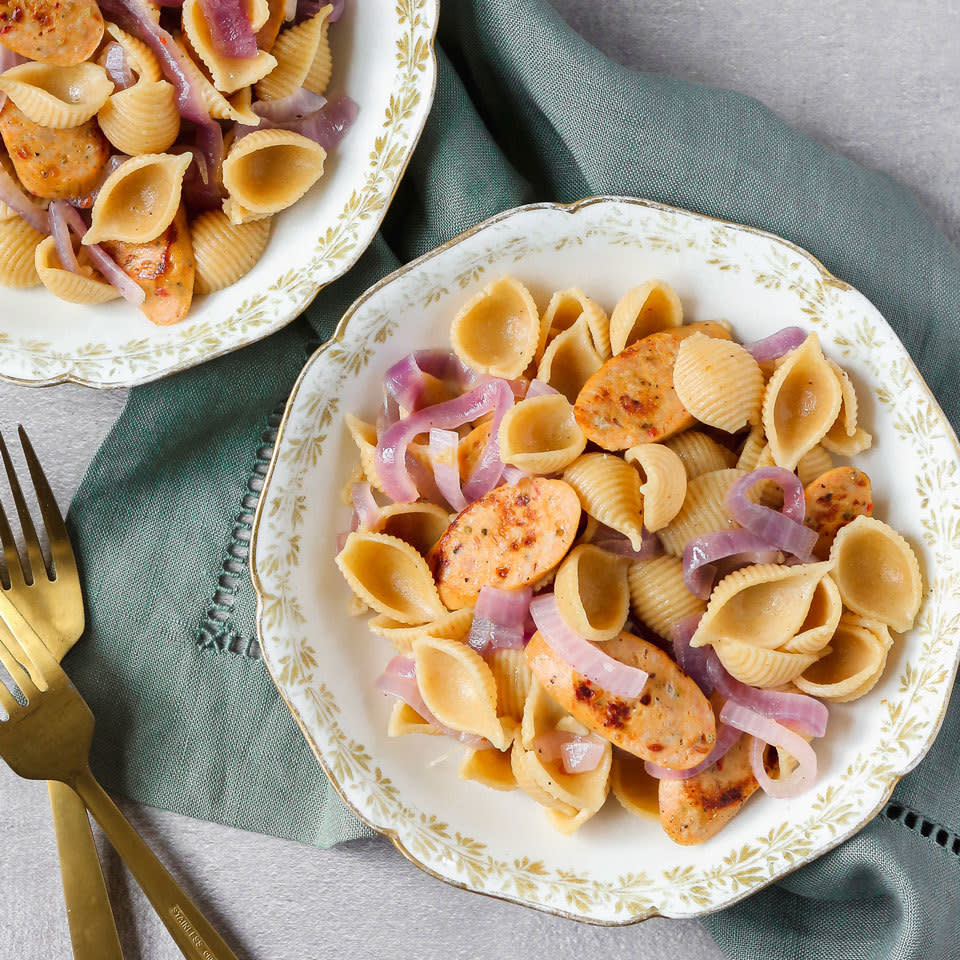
[
  {"x": 134, "y": 17},
  {"x": 61, "y": 236},
  {"x": 118, "y": 66},
  {"x": 404, "y": 380},
  {"x": 512, "y": 474},
  {"x": 294, "y": 107},
  {"x": 777, "y": 344},
  {"x": 538, "y": 388},
  {"x": 615, "y": 542},
  {"x": 797, "y": 710},
  {"x": 446, "y": 469},
  {"x": 401, "y": 681},
  {"x": 693, "y": 661},
  {"x": 578, "y": 754},
  {"x": 308, "y": 9},
  {"x": 727, "y": 738},
  {"x": 325, "y": 126},
  {"x": 486, "y": 475},
  {"x": 779, "y": 530},
  {"x": 767, "y": 731},
  {"x": 701, "y": 553},
  {"x": 391, "y": 454},
  {"x": 342, "y": 539},
  {"x": 13, "y": 195},
  {"x": 586, "y": 659},
  {"x": 230, "y": 29},
  {"x": 499, "y": 620},
  {"x": 364, "y": 506},
  {"x": 131, "y": 291}
]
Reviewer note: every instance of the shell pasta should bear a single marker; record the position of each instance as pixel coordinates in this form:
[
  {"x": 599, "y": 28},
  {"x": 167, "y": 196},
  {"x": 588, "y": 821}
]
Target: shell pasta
[
  {"x": 604, "y": 555},
  {"x": 156, "y": 134}
]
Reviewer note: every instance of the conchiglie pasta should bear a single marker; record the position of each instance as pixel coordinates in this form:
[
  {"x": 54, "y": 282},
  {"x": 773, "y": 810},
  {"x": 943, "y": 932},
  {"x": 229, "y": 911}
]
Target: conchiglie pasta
[
  {"x": 856, "y": 662},
  {"x": 471, "y": 449},
  {"x": 138, "y": 201},
  {"x": 217, "y": 104},
  {"x": 541, "y": 435},
  {"x": 636, "y": 791},
  {"x": 703, "y": 510},
  {"x": 458, "y": 687},
  {"x": 390, "y": 576},
  {"x": 18, "y": 245},
  {"x": 57, "y": 97},
  {"x": 846, "y": 438},
  {"x": 404, "y": 720},
  {"x": 821, "y": 620},
  {"x": 800, "y": 404},
  {"x": 420, "y": 524},
  {"x": 570, "y": 360},
  {"x": 658, "y": 595},
  {"x": 141, "y": 58},
  {"x": 228, "y": 73},
  {"x": 753, "y": 448},
  {"x": 365, "y": 437},
  {"x": 700, "y": 453},
  {"x": 877, "y": 572},
  {"x": 141, "y": 119},
  {"x": 664, "y": 482},
  {"x": 491, "y": 768},
  {"x": 719, "y": 382},
  {"x": 269, "y": 170},
  {"x": 454, "y": 625},
  {"x": 295, "y": 51},
  {"x": 565, "y": 308},
  {"x": 609, "y": 491},
  {"x": 761, "y": 667},
  {"x": 72, "y": 287},
  {"x": 321, "y": 68},
  {"x": 762, "y": 605},
  {"x": 592, "y": 592},
  {"x": 496, "y": 330},
  {"x": 513, "y": 678},
  {"x": 225, "y": 251},
  {"x": 649, "y": 308},
  {"x": 814, "y": 463}
]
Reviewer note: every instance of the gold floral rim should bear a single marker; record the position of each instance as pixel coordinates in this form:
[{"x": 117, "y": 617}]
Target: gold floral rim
[
  {"x": 36, "y": 363},
  {"x": 924, "y": 683}
]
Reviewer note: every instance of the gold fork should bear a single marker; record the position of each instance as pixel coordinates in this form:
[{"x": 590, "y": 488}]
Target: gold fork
[
  {"x": 51, "y": 600},
  {"x": 48, "y": 738}
]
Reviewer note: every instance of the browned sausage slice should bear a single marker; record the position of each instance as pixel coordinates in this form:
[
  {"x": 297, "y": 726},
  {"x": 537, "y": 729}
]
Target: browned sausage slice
[
  {"x": 164, "y": 268},
  {"x": 509, "y": 538},
  {"x": 671, "y": 723},
  {"x": 61, "y": 32},
  {"x": 834, "y": 500},
  {"x": 56, "y": 164},
  {"x": 631, "y": 399}
]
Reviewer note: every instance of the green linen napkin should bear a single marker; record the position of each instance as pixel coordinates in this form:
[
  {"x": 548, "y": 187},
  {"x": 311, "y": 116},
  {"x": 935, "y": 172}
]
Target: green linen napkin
[{"x": 187, "y": 718}]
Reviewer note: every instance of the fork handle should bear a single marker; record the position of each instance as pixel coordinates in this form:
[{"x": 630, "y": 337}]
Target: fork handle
[
  {"x": 190, "y": 929},
  {"x": 93, "y": 931}
]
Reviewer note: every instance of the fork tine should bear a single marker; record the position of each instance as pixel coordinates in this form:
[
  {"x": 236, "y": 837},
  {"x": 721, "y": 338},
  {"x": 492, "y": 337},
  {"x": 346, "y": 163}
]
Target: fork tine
[
  {"x": 35, "y": 561},
  {"x": 38, "y": 661},
  {"x": 13, "y": 573},
  {"x": 8, "y": 702},
  {"x": 64, "y": 562},
  {"x": 13, "y": 666}
]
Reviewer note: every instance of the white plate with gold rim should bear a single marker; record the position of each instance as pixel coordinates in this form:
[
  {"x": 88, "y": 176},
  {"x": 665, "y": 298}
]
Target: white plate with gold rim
[
  {"x": 384, "y": 58},
  {"x": 617, "y": 868}
]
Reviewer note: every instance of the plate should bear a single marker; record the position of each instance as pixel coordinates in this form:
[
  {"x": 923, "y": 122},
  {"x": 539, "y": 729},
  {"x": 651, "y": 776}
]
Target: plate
[
  {"x": 384, "y": 58},
  {"x": 617, "y": 868}
]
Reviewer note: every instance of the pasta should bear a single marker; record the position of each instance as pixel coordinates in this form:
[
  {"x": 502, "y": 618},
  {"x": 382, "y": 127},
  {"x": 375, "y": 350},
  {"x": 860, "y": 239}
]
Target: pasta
[
  {"x": 69, "y": 286},
  {"x": 877, "y": 572},
  {"x": 846, "y": 438},
  {"x": 226, "y": 251},
  {"x": 544, "y": 618},
  {"x": 268, "y": 171},
  {"x": 294, "y": 53},
  {"x": 57, "y": 97},
  {"x": 801, "y": 403},
  {"x": 93, "y": 117},
  {"x": 700, "y": 453},
  {"x": 540, "y": 435},
  {"x": 458, "y": 687},
  {"x": 703, "y": 510},
  {"x": 646, "y": 309},
  {"x": 390, "y": 576},
  {"x": 570, "y": 360},
  {"x": 609, "y": 490},
  {"x": 18, "y": 244},
  {"x": 718, "y": 382},
  {"x": 566, "y": 307},
  {"x": 138, "y": 201},
  {"x": 658, "y": 596},
  {"x": 664, "y": 482},
  {"x": 592, "y": 592},
  {"x": 496, "y": 331}
]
